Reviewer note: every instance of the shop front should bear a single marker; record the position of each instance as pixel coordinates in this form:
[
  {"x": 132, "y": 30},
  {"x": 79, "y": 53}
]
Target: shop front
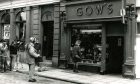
[{"x": 103, "y": 36}]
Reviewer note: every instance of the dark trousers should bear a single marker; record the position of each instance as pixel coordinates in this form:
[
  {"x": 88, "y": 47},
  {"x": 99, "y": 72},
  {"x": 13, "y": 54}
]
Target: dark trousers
[
  {"x": 12, "y": 61},
  {"x": 4, "y": 65},
  {"x": 75, "y": 67},
  {"x": 76, "y": 59}
]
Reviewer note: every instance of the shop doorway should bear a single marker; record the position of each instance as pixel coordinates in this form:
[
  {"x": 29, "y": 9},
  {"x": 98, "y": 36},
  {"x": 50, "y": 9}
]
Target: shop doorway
[
  {"x": 47, "y": 49},
  {"x": 115, "y": 54}
]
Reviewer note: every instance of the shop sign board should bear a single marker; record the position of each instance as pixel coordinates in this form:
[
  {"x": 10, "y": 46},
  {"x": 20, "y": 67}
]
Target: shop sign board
[
  {"x": 7, "y": 31},
  {"x": 94, "y": 10}
]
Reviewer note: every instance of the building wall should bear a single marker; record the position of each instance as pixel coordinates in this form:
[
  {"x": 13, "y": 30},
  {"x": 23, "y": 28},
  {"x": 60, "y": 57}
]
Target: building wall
[
  {"x": 56, "y": 39},
  {"x": 33, "y": 23},
  {"x": 138, "y": 3},
  {"x": 8, "y": 4}
]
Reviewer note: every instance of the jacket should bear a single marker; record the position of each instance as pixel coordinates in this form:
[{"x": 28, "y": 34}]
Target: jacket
[
  {"x": 76, "y": 51},
  {"x": 3, "y": 50},
  {"x": 13, "y": 49},
  {"x": 31, "y": 53}
]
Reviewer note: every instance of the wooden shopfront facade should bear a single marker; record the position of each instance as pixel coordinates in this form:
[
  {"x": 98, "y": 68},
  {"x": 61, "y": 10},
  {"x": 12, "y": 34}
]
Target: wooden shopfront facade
[{"x": 106, "y": 41}]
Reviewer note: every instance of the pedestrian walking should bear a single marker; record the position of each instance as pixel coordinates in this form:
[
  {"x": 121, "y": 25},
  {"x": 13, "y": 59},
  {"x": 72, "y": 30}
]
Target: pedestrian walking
[
  {"x": 76, "y": 55},
  {"x": 31, "y": 54},
  {"x": 13, "y": 55}
]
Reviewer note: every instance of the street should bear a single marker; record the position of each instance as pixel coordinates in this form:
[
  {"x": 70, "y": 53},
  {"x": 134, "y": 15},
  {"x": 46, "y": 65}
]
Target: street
[{"x": 19, "y": 78}]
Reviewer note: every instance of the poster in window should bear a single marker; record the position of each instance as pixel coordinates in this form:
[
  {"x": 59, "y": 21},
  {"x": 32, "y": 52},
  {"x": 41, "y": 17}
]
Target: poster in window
[{"x": 6, "y": 31}]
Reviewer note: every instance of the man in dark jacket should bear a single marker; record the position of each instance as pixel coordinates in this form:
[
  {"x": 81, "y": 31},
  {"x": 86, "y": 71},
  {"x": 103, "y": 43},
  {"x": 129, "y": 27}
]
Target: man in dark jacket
[{"x": 13, "y": 54}]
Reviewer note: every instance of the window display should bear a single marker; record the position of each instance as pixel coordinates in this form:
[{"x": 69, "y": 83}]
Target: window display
[
  {"x": 6, "y": 26},
  {"x": 90, "y": 44}
]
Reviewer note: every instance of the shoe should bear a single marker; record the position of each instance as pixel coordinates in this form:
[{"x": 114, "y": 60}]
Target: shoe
[
  {"x": 76, "y": 71},
  {"x": 14, "y": 70},
  {"x": 32, "y": 80}
]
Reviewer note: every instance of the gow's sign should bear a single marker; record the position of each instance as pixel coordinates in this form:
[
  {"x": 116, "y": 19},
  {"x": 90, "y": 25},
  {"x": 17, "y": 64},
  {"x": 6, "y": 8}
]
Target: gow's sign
[{"x": 94, "y": 10}]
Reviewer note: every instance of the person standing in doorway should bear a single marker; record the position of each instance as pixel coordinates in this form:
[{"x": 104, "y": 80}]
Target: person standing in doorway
[{"x": 31, "y": 54}]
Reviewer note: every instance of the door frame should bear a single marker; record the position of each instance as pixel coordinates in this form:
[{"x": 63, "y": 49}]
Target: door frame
[
  {"x": 42, "y": 35},
  {"x": 122, "y": 45}
]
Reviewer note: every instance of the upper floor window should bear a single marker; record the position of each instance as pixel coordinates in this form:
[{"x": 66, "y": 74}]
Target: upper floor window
[
  {"x": 6, "y": 19},
  {"x": 21, "y": 17}
]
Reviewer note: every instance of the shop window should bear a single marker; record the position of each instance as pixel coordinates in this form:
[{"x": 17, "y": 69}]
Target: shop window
[
  {"x": 21, "y": 17},
  {"x": 6, "y": 26},
  {"x": 21, "y": 26},
  {"x": 90, "y": 43},
  {"x": 6, "y": 19},
  {"x": 6, "y": 32},
  {"x": 138, "y": 28}
]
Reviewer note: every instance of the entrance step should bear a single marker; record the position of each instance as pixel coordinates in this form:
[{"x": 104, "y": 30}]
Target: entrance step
[
  {"x": 43, "y": 66},
  {"x": 45, "y": 63}
]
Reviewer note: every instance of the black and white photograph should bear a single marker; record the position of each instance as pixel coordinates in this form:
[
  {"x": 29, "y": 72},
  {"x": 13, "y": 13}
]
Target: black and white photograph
[{"x": 69, "y": 41}]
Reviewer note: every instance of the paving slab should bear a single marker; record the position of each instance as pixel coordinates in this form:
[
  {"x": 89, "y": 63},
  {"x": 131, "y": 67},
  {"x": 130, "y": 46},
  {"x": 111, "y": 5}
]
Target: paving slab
[{"x": 82, "y": 77}]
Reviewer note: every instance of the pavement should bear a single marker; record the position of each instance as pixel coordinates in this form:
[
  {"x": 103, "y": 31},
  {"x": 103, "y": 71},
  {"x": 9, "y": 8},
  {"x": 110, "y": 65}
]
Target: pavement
[
  {"x": 81, "y": 77},
  {"x": 20, "y": 78}
]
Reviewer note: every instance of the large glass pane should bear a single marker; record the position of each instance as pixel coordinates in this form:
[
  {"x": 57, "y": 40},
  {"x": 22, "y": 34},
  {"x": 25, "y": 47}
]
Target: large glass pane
[{"x": 90, "y": 42}]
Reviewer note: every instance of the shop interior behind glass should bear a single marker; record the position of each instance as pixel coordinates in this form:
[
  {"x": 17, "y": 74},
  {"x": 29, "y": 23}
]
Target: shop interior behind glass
[{"x": 90, "y": 46}]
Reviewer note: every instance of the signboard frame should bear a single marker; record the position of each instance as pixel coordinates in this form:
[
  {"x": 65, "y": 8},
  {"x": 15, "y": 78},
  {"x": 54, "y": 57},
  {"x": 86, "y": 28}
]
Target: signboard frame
[{"x": 93, "y": 10}]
